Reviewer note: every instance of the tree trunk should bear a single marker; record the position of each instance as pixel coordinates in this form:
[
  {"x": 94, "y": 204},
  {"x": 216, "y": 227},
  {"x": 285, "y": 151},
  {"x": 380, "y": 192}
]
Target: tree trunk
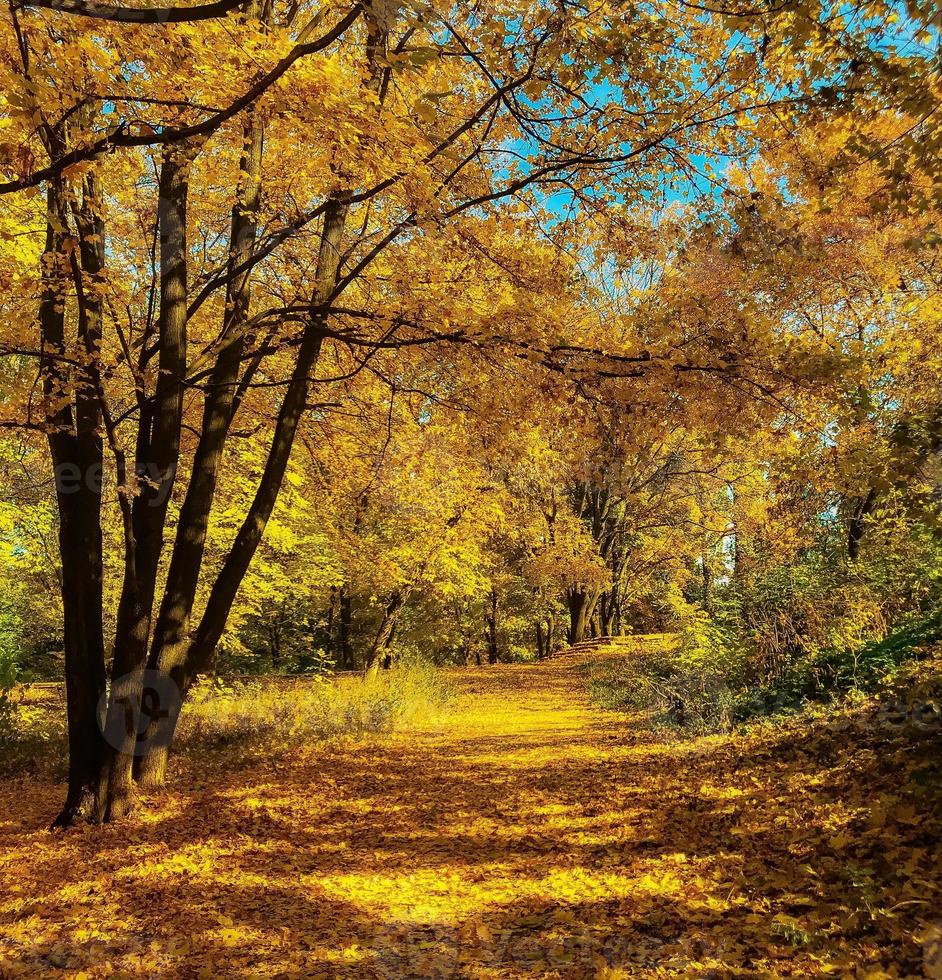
[
  {"x": 345, "y": 626},
  {"x": 493, "y": 652},
  {"x": 386, "y": 629},
  {"x": 222, "y": 595},
  {"x": 858, "y": 523},
  {"x": 581, "y": 606},
  {"x": 156, "y": 464},
  {"x": 76, "y": 451},
  {"x": 171, "y": 632},
  {"x": 184, "y": 665},
  {"x": 608, "y": 603},
  {"x": 389, "y": 645},
  {"x": 707, "y": 584}
]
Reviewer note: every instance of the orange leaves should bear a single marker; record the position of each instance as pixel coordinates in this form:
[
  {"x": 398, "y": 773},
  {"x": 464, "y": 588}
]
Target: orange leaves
[{"x": 528, "y": 835}]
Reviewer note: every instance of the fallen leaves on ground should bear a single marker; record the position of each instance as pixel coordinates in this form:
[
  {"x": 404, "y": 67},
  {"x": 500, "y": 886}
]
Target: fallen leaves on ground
[{"x": 532, "y": 835}]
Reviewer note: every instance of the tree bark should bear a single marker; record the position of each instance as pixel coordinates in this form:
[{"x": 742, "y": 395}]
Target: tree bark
[
  {"x": 201, "y": 647},
  {"x": 493, "y": 652},
  {"x": 581, "y": 606},
  {"x": 185, "y": 665},
  {"x": 171, "y": 632},
  {"x": 858, "y": 523},
  {"x": 345, "y": 625},
  {"x": 387, "y": 626},
  {"x": 76, "y": 450},
  {"x": 707, "y": 573},
  {"x": 156, "y": 464}
]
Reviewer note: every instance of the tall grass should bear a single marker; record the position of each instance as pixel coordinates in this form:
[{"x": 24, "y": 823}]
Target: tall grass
[
  {"x": 294, "y": 712},
  {"x": 267, "y": 715}
]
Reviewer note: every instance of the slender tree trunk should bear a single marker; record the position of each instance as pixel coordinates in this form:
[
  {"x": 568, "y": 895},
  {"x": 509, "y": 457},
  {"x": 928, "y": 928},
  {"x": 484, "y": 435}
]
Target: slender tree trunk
[
  {"x": 76, "y": 450},
  {"x": 608, "y": 604},
  {"x": 389, "y": 645},
  {"x": 183, "y": 667},
  {"x": 542, "y": 649},
  {"x": 466, "y": 650},
  {"x": 332, "y": 626},
  {"x": 171, "y": 632},
  {"x": 858, "y": 523},
  {"x": 345, "y": 628},
  {"x": 707, "y": 584},
  {"x": 226, "y": 586},
  {"x": 493, "y": 653}
]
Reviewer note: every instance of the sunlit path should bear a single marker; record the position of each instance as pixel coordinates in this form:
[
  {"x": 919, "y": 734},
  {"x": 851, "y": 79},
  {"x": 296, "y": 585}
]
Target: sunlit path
[{"x": 528, "y": 835}]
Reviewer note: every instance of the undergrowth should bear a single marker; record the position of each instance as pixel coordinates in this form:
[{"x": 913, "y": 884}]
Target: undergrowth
[
  {"x": 709, "y": 684},
  {"x": 265, "y": 714},
  {"x": 297, "y": 711}
]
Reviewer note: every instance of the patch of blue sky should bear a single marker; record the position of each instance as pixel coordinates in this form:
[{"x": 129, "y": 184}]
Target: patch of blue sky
[{"x": 698, "y": 182}]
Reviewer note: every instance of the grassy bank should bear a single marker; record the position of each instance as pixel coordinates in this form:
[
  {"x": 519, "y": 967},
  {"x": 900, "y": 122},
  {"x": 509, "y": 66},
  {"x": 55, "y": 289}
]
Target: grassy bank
[{"x": 259, "y": 715}]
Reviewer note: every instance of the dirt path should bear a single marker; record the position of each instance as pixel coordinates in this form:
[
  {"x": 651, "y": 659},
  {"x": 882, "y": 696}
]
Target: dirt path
[{"x": 533, "y": 836}]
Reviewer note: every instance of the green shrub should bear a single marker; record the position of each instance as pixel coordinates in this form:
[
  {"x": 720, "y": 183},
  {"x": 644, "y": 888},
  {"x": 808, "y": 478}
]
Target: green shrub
[
  {"x": 692, "y": 685},
  {"x": 712, "y": 682},
  {"x": 827, "y": 674}
]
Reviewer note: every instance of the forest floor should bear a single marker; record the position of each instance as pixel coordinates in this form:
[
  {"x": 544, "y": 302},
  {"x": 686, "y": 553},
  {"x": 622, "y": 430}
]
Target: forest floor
[{"x": 530, "y": 834}]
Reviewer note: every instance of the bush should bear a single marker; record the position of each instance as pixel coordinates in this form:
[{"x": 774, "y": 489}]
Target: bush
[
  {"x": 713, "y": 682},
  {"x": 831, "y": 673},
  {"x": 692, "y": 685}
]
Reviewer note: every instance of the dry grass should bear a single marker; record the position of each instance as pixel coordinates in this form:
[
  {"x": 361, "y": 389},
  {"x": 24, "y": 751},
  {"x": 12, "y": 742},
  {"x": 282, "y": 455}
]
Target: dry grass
[
  {"x": 286, "y": 712},
  {"x": 265, "y": 715}
]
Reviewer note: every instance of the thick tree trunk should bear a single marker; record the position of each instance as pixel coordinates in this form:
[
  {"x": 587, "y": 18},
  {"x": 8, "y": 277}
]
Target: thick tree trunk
[
  {"x": 387, "y": 626},
  {"x": 76, "y": 450},
  {"x": 581, "y": 606},
  {"x": 158, "y": 454}
]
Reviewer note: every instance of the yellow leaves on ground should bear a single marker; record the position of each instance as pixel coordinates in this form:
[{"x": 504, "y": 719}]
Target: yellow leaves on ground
[{"x": 526, "y": 835}]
